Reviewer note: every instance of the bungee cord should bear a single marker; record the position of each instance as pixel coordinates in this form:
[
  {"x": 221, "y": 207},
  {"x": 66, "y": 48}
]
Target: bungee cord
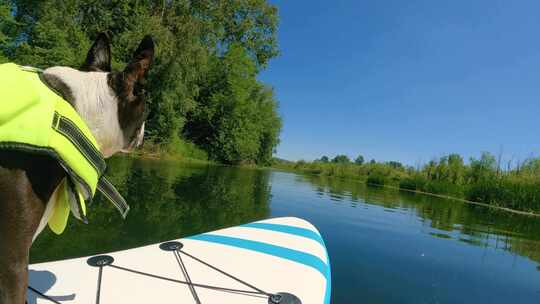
[
  {"x": 43, "y": 295},
  {"x": 105, "y": 261},
  {"x": 183, "y": 268}
]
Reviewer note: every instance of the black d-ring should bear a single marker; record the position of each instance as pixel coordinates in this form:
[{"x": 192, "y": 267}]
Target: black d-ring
[
  {"x": 171, "y": 246},
  {"x": 100, "y": 260},
  {"x": 283, "y": 298}
]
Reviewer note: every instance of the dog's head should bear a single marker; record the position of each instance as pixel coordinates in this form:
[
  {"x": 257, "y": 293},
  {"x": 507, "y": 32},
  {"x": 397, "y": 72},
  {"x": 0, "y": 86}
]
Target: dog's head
[{"x": 111, "y": 103}]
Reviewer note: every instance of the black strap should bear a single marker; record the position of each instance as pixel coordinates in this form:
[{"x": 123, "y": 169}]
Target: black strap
[
  {"x": 223, "y": 272},
  {"x": 217, "y": 288},
  {"x": 109, "y": 191},
  {"x": 43, "y": 295},
  {"x": 186, "y": 275},
  {"x": 98, "y": 293}
]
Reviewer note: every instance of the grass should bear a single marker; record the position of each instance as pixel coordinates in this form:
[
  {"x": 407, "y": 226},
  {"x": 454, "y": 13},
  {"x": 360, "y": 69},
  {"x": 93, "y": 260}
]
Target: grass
[{"x": 177, "y": 149}]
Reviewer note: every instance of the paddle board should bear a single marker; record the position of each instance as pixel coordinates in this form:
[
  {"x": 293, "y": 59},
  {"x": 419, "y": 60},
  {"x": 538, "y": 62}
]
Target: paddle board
[{"x": 280, "y": 260}]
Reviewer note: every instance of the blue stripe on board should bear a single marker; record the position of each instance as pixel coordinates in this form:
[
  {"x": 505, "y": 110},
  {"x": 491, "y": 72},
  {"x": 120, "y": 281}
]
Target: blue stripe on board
[
  {"x": 328, "y": 291},
  {"x": 278, "y": 251},
  {"x": 310, "y": 234}
]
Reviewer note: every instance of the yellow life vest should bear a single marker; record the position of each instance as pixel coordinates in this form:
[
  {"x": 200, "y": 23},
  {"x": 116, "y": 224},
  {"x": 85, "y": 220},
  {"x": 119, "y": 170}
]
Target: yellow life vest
[{"x": 34, "y": 119}]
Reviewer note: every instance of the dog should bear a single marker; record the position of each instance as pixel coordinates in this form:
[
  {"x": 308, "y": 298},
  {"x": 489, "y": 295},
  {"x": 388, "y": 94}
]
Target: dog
[{"x": 112, "y": 105}]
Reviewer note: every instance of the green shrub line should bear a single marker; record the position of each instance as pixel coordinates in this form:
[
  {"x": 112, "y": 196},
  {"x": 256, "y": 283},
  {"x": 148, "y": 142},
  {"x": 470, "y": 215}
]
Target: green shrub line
[{"x": 480, "y": 181}]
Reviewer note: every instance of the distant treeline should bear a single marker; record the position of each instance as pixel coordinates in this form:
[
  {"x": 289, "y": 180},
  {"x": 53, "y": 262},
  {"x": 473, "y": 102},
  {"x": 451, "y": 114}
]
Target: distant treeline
[
  {"x": 480, "y": 180},
  {"x": 202, "y": 88}
]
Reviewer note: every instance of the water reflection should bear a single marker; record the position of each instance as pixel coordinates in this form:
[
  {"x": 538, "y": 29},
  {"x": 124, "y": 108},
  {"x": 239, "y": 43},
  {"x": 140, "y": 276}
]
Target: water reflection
[
  {"x": 401, "y": 247},
  {"x": 474, "y": 225},
  {"x": 167, "y": 201}
]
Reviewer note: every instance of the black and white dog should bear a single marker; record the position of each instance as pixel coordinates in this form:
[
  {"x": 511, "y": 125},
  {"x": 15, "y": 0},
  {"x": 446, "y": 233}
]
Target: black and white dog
[{"x": 112, "y": 105}]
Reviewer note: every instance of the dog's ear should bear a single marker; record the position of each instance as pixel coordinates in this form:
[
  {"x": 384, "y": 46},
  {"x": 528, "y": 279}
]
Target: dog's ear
[
  {"x": 99, "y": 56},
  {"x": 140, "y": 63}
]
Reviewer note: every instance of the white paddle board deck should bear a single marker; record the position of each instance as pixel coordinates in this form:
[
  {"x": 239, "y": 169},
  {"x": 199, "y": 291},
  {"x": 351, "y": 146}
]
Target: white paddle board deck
[{"x": 251, "y": 263}]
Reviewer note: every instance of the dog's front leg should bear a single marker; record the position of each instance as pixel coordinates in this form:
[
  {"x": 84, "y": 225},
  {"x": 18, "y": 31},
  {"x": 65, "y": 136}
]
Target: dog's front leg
[
  {"x": 27, "y": 182},
  {"x": 13, "y": 282},
  {"x": 21, "y": 209}
]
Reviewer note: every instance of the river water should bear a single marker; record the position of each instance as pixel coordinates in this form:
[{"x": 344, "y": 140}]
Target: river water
[{"x": 385, "y": 246}]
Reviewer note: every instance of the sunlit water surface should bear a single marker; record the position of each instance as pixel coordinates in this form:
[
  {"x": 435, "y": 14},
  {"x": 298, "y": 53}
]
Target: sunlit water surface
[{"x": 385, "y": 246}]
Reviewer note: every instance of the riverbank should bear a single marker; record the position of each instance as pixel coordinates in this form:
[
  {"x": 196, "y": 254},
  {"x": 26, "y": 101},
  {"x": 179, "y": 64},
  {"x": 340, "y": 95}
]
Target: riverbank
[
  {"x": 479, "y": 182},
  {"x": 179, "y": 149},
  {"x": 185, "y": 151}
]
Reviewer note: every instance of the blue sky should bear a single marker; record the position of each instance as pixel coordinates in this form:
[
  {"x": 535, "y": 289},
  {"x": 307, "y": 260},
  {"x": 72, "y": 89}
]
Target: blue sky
[{"x": 407, "y": 80}]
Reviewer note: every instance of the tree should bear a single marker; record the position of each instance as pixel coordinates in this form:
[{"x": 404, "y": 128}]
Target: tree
[
  {"x": 250, "y": 23},
  {"x": 441, "y": 169},
  {"x": 202, "y": 84},
  {"x": 325, "y": 159},
  {"x": 270, "y": 123},
  {"x": 236, "y": 120},
  {"x": 395, "y": 164},
  {"x": 483, "y": 168},
  {"x": 430, "y": 169},
  {"x": 456, "y": 168},
  {"x": 359, "y": 160},
  {"x": 341, "y": 159},
  {"x": 531, "y": 166},
  {"x": 7, "y": 29}
]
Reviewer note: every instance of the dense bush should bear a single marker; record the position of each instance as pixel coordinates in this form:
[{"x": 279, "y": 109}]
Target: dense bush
[
  {"x": 511, "y": 192},
  {"x": 376, "y": 178},
  {"x": 409, "y": 183}
]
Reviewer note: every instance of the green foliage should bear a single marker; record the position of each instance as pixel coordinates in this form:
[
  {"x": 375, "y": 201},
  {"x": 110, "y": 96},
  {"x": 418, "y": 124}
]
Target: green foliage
[
  {"x": 414, "y": 182},
  {"x": 456, "y": 168},
  {"x": 341, "y": 159},
  {"x": 359, "y": 160},
  {"x": 395, "y": 164},
  {"x": 376, "y": 178},
  {"x": 238, "y": 121},
  {"x": 481, "y": 180},
  {"x": 485, "y": 191},
  {"x": 482, "y": 169},
  {"x": 8, "y": 27},
  {"x": 185, "y": 149},
  {"x": 530, "y": 167},
  {"x": 202, "y": 85}
]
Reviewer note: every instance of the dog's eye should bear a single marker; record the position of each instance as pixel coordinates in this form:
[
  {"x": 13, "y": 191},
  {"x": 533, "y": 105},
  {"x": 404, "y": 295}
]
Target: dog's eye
[{"x": 139, "y": 90}]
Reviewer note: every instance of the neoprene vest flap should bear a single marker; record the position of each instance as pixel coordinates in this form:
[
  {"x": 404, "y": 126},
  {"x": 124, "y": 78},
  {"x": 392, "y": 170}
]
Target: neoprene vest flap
[{"x": 34, "y": 119}]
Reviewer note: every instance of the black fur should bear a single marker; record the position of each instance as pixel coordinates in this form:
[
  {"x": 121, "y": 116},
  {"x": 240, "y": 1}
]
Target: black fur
[
  {"x": 127, "y": 86},
  {"x": 99, "y": 56},
  {"x": 26, "y": 184},
  {"x": 58, "y": 86}
]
